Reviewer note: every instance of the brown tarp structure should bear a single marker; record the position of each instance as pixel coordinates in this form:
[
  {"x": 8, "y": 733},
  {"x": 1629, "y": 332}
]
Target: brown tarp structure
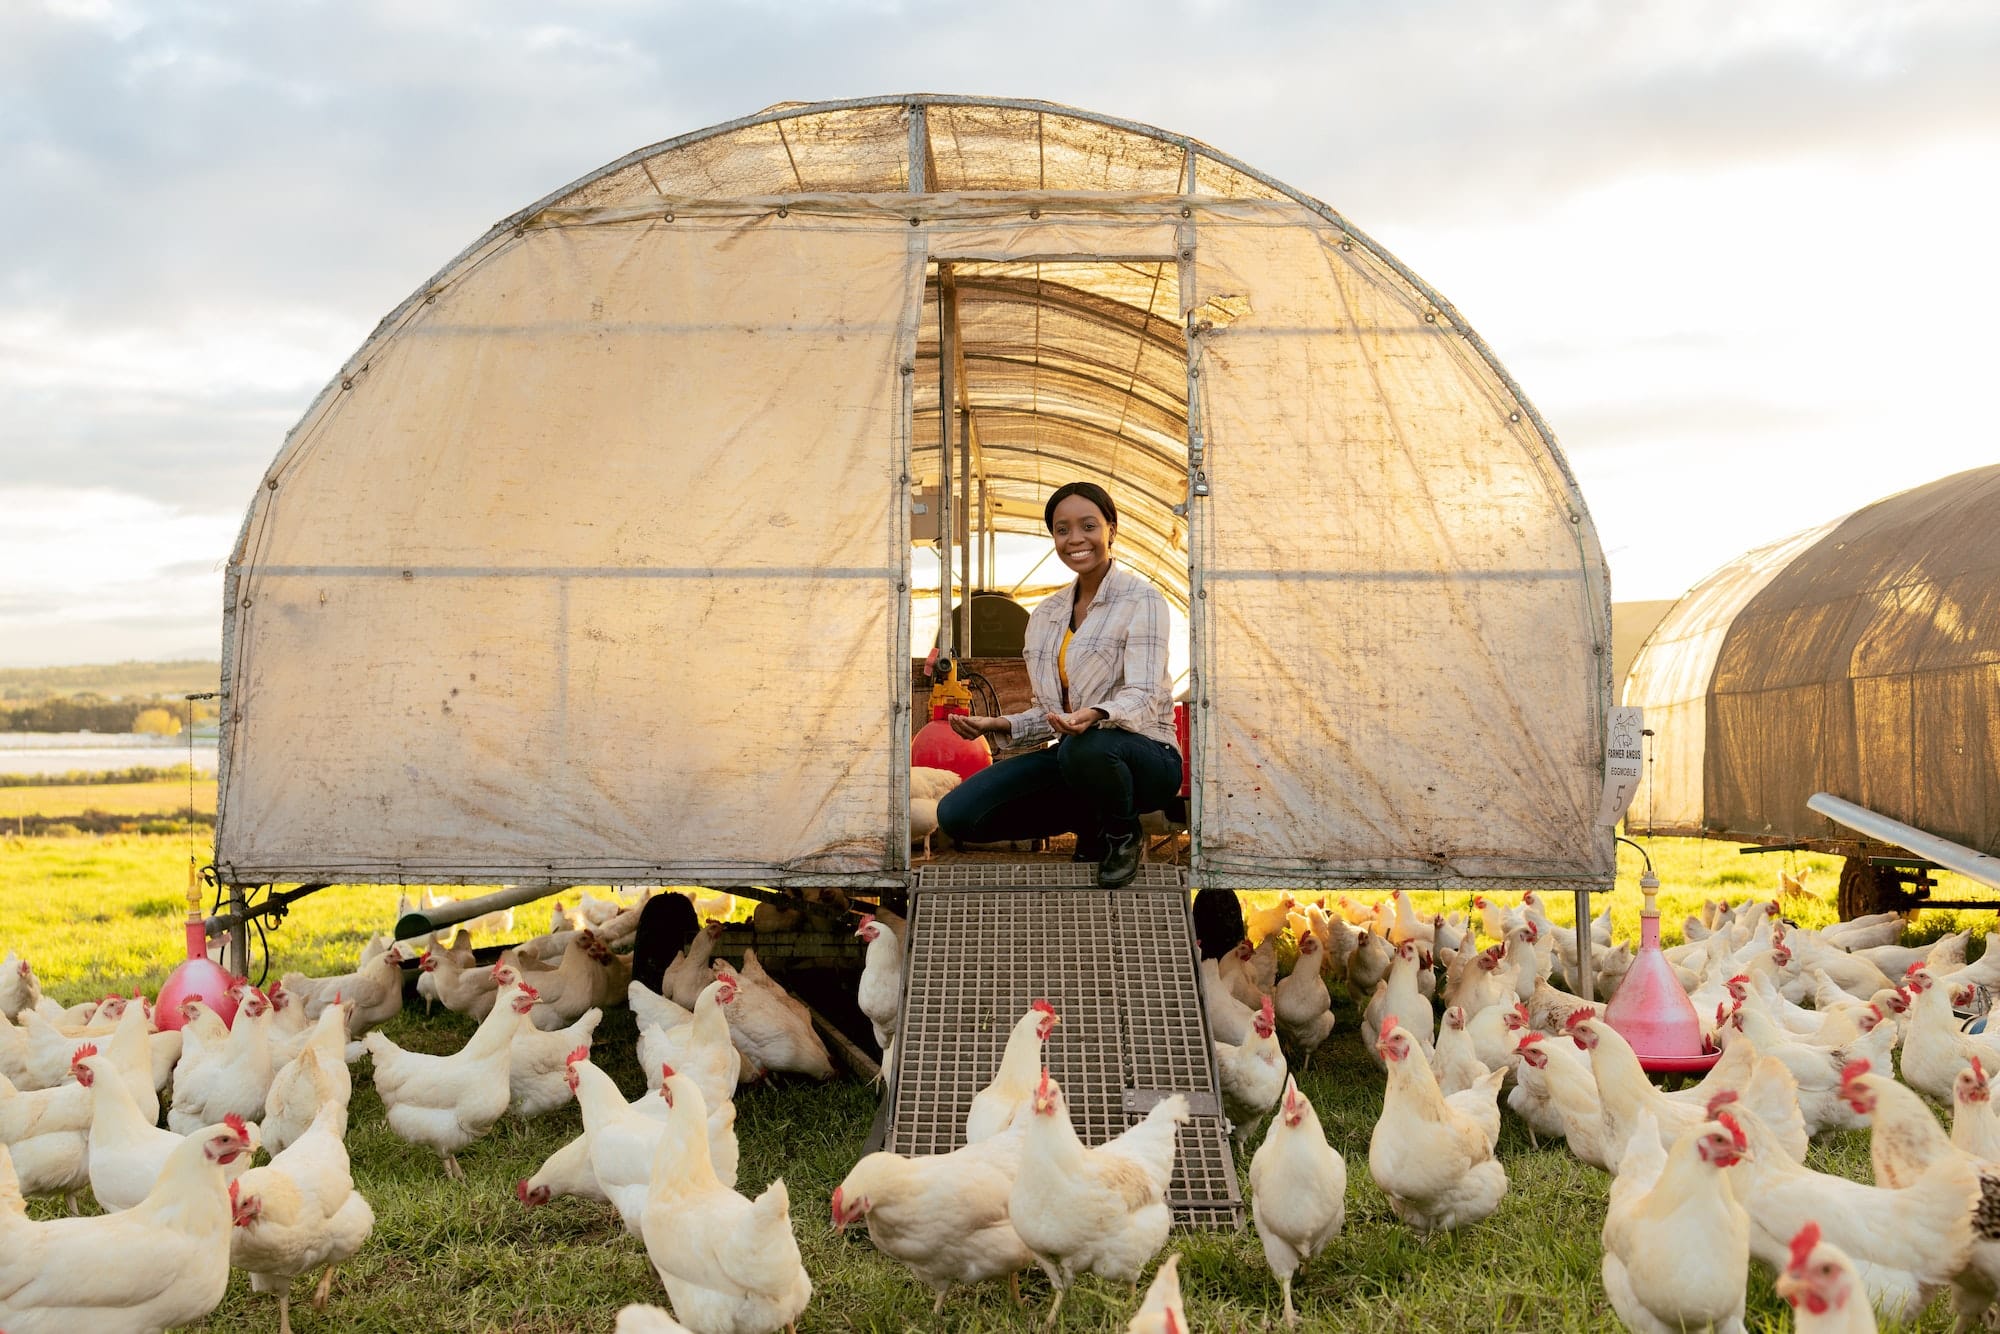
[
  {"x": 593, "y": 564},
  {"x": 1861, "y": 658}
]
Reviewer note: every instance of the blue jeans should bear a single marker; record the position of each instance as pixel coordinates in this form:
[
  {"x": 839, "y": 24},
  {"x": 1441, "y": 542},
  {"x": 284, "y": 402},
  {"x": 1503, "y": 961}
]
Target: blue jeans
[{"x": 1094, "y": 785}]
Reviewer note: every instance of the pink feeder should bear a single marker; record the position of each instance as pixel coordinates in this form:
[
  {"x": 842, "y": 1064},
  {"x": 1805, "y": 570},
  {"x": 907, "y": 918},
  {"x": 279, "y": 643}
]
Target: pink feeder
[
  {"x": 1651, "y": 1011},
  {"x": 200, "y": 978},
  {"x": 937, "y": 746}
]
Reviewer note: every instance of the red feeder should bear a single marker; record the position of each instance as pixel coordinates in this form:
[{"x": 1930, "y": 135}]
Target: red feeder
[
  {"x": 937, "y": 746},
  {"x": 1651, "y": 1011},
  {"x": 200, "y": 977}
]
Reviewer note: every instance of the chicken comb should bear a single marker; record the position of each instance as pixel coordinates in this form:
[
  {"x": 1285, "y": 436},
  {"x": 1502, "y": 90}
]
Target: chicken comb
[
  {"x": 520, "y": 1189},
  {"x": 867, "y": 919},
  {"x": 580, "y": 1054},
  {"x": 530, "y": 992},
  {"x": 1803, "y": 1245},
  {"x": 1916, "y": 967},
  {"x": 87, "y": 1049},
  {"x": 1729, "y": 1123},
  {"x": 1721, "y": 1100},
  {"x": 1578, "y": 1015},
  {"x": 1529, "y": 1039},
  {"x": 1043, "y": 1006},
  {"x": 1978, "y": 1070},
  {"x": 236, "y": 1127},
  {"x": 1854, "y": 1071},
  {"x": 1521, "y": 1013},
  {"x": 1265, "y": 1010},
  {"x": 1042, "y": 1089},
  {"x": 1388, "y": 1022},
  {"x": 1740, "y": 980}
]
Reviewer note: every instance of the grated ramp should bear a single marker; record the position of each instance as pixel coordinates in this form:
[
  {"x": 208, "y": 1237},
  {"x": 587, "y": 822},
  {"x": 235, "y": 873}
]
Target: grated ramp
[{"x": 986, "y": 940}]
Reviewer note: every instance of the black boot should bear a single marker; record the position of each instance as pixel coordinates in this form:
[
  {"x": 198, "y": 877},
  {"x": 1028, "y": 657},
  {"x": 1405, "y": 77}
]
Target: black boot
[
  {"x": 1089, "y": 848},
  {"x": 1121, "y": 861}
]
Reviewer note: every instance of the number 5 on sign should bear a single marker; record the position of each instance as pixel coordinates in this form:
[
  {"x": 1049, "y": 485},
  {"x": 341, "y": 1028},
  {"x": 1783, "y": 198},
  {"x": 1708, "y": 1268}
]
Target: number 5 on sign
[{"x": 1621, "y": 763}]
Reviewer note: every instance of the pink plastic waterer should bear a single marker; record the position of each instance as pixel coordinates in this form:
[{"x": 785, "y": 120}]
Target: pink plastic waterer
[
  {"x": 937, "y": 746},
  {"x": 200, "y": 977},
  {"x": 1651, "y": 1010}
]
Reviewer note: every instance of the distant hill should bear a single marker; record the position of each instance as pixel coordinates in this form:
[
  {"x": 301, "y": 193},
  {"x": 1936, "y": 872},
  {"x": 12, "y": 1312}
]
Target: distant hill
[
  {"x": 1631, "y": 622},
  {"x": 185, "y": 676}
]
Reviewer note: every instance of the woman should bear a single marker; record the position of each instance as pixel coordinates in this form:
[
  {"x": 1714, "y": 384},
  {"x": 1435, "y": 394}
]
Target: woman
[{"x": 1097, "y": 663}]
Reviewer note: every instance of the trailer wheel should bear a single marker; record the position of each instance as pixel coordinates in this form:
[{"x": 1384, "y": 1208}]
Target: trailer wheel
[{"x": 1861, "y": 891}]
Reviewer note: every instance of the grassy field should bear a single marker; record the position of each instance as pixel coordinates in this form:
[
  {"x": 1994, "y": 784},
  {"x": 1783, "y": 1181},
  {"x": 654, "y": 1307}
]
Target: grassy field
[
  {"x": 97, "y": 914},
  {"x": 168, "y": 799}
]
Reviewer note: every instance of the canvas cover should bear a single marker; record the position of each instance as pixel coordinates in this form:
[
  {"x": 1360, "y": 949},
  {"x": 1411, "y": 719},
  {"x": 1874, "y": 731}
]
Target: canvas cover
[
  {"x": 593, "y": 563},
  {"x": 1861, "y": 658}
]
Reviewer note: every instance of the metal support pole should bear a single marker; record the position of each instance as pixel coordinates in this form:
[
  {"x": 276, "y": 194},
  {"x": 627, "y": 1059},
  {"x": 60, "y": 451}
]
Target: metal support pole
[
  {"x": 239, "y": 932},
  {"x": 1586, "y": 985},
  {"x": 947, "y": 349}
]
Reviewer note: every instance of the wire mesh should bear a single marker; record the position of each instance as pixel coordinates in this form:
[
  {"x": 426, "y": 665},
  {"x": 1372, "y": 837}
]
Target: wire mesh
[{"x": 987, "y": 940}]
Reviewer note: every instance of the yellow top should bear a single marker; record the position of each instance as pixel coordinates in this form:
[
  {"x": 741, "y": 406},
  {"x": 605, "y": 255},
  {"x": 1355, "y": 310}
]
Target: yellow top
[{"x": 1062, "y": 659}]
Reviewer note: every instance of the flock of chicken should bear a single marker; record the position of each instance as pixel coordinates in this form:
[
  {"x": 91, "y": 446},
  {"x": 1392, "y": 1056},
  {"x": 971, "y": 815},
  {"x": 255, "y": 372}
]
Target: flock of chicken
[{"x": 1705, "y": 1178}]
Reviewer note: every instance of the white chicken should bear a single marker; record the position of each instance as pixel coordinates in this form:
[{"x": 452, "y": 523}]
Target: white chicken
[
  {"x": 1298, "y": 1191},
  {"x": 446, "y": 1102},
  {"x": 48, "y": 1131},
  {"x": 577, "y": 984},
  {"x": 375, "y": 989},
  {"x": 162, "y": 1263},
  {"x": 1096, "y": 1210},
  {"x": 460, "y": 988},
  {"x": 1162, "y": 1312},
  {"x": 315, "y": 1079},
  {"x": 1228, "y": 1018},
  {"x": 128, "y": 1152},
  {"x": 536, "y": 1075},
  {"x": 1676, "y": 1242},
  {"x": 730, "y": 1265},
  {"x": 1435, "y": 1164},
  {"x": 700, "y": 1048},
  {"x": 689, "y": 972},
  {"x": 298, "y": 1213},
  {"x": 625, "y": 1141},
  {"x": 770, "y": 1028},
  {"x": 641, "y": 1319},
  {"x": 996, "y": 1106},
  {"x": 1975, "y": 1127},
  {"x": 1823, "y": 1288},
  {"x": 1399, "y": 995},
  {"x": 881, "y": 992},
  {"x": 1304, "y": 1009},
  {"x": 231, "y": 1079},
  {"x": 944, "y": 1216},
  {"x": 1252, "y": 1075},
  {"x": 1454, "y": 1061},
  {"x": 20, "y": 989}
]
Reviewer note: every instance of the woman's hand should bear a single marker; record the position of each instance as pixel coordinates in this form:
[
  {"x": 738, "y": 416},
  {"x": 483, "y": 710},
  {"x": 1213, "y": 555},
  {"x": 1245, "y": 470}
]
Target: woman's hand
[
  {"x": 1076, "y": 724},
  {"x": 972, "y": 728}
]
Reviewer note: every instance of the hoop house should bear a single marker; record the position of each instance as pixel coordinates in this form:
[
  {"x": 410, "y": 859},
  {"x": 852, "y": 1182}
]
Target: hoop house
[
  {"x": 1860, "y": 658},
  {"x": 593, "y": 564}
]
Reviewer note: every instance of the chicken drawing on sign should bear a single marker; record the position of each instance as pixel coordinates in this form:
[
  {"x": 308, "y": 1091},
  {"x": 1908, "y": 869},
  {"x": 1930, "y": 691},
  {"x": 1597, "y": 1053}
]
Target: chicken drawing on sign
[{"x": 1621, "y": 763}]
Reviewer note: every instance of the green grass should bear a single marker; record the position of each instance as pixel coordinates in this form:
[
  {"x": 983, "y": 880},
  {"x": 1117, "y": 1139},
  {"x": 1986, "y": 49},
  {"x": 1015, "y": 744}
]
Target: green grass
[
  {"x": 97, "y": 914},
  {"x": 162, "y": 798}
]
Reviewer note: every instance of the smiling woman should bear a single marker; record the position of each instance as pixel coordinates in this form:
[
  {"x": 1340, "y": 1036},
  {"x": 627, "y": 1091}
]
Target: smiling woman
[{"x": 1097, "y": 663}]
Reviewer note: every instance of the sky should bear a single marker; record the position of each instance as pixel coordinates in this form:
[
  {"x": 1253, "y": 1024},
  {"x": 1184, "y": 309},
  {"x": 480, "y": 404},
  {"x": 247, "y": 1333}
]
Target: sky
[{"x": 1737, "y": 252}]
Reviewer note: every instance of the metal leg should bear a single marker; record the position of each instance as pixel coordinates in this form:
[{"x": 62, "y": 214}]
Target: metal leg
[
  {"x": 1587, "y": 984},
  {"x": 239, "y": 932}
]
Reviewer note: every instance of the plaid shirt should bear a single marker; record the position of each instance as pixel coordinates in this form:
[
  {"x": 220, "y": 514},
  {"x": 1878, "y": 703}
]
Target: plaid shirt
[{"x": 1117, "y": 660}]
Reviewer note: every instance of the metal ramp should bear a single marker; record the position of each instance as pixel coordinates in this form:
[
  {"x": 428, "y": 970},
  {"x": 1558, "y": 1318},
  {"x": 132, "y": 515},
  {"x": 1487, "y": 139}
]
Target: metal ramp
[{"x": 987, "y": 939}]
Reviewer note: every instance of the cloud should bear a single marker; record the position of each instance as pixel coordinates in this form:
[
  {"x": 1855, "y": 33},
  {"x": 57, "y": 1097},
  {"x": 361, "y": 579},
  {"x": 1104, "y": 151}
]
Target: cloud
[{"x": 1639, "y": 204}]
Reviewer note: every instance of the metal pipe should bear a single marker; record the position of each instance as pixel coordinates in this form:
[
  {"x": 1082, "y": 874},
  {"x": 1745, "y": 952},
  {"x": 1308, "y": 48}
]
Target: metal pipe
[
  {"x": 411, "y": 925},
  {"x": 1588, "y": 982},
  {"x": 947, "y": 351},
  {"x": 1968, "y": 862}
]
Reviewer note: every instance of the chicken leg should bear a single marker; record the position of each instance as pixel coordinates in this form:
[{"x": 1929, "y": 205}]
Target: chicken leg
[
  {"x": 1291, "y": 1315},
  {"x": 324, "y": 1289},
  {"x": 285, "y": 1311},
  {"x": 452, "y": 1169}
]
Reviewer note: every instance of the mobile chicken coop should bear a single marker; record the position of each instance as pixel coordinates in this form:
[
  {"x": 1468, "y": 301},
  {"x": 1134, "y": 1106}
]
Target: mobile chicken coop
[
  {"x": 593, "y": 564},
  {"x": 1859, "y": 659}
]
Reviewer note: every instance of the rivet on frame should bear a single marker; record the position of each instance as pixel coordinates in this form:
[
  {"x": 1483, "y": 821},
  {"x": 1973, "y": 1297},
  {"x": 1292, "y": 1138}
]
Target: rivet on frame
[
  {"x": 1575, "y": 517},
  {"x": 347, "y": 384},
  {"x": 246, "y": 604},
  {"x": 915, "y": 221},
  {"x": 1347, "y": 243},
  {"x": 784, "y": 212},
  {"x": 1514, "y": 416},
  {"x": 409, "y": 574},
  {"x": 1430, "y": 317},
  {"x": 271, "y": 485},
  {"x": 1186, "y": 212},
  {"x": 1598, "y": 649},
  {"x": 666, "y": 217},
  {"x": 1187, "y": 254},
  {"x": 1034, "y": 213},
  {"x": 520, "y": 232},
  {"x": 430, "y": 298}
]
